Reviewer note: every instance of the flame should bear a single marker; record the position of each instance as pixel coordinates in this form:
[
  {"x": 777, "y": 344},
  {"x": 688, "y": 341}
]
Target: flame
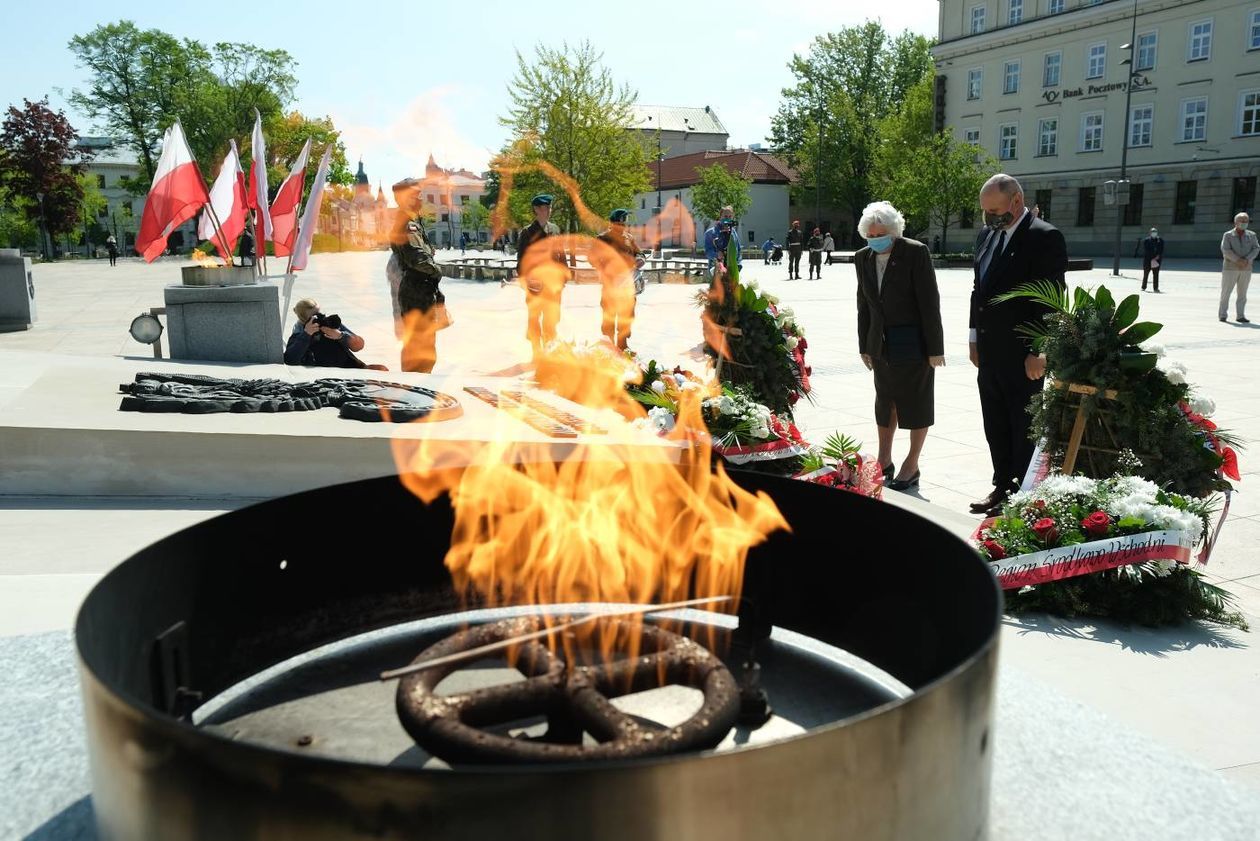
[
  {"x": 204, "y": 260},
  {"x": 628, "y": 521}
]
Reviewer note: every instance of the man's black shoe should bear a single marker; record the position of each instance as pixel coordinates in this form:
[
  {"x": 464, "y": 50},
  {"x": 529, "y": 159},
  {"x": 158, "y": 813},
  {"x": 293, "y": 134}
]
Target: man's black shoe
[{"x": 997, "y": 497}]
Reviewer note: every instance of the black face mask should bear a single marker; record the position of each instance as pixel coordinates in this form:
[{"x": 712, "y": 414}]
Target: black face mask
[{"x": 996, "y": 222}]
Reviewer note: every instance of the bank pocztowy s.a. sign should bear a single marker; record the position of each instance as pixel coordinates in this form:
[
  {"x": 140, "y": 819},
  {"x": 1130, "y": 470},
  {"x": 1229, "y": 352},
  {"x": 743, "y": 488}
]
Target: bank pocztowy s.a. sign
[{"x": 1091, "y": 90}]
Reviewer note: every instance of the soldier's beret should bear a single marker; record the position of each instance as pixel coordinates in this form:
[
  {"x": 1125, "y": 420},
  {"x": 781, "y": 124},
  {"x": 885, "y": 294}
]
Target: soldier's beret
[
  {"x": 619, "y": 215},
  {"x": 541, "y": 199},
  {"x": 406, "y": 184}
]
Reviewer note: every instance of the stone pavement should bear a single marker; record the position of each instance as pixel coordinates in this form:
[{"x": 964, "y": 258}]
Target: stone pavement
[{"x": 1193, "y": 688}]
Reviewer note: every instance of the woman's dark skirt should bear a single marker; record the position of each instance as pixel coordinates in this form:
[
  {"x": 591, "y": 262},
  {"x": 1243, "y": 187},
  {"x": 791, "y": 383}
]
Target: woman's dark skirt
[{"x": 908, "y": 387}]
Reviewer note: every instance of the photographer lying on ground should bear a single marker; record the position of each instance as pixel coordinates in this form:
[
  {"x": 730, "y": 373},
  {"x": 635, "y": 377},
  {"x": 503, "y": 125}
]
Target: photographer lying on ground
[{"x": 322, "y": 340}]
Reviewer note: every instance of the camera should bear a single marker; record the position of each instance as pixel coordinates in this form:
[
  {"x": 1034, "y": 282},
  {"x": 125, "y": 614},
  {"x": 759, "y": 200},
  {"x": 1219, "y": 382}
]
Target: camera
[{"x": 333, "y": 321}]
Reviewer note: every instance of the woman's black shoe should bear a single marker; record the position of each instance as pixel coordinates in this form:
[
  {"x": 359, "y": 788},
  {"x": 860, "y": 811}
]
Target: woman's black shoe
[
  {"x": 889, "y": 472},
  {"x": 904, "y": 484}
]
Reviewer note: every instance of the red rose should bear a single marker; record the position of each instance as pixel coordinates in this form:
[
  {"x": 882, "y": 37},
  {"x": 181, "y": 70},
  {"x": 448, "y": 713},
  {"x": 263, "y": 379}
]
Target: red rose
[
  {"x": 994, "y": 549},
  {"x": 1097, "y": 524},
  {"x": 1046, "y": 530}
]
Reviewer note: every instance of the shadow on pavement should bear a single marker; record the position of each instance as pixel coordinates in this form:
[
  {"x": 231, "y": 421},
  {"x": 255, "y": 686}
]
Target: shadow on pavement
[
  {"x": 1158, "y": 642},
  {"x": 74, "y": 823}
]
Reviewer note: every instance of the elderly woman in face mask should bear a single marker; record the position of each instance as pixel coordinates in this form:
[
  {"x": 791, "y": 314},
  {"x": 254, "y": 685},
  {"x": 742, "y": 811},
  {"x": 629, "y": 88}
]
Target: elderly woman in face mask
[{"x": 899, "y": 334}]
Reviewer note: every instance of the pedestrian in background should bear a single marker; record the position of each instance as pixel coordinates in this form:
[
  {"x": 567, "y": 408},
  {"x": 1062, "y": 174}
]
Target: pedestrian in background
[
  {"x": 796, "y": 245},
  {"x": 1239, "y": 248},
  {"x": 829, "y": 245},
  {"x": 1152, "y": 248},
  {"x": 111, "y": 245},
  {"x": 815, "y": 254}
]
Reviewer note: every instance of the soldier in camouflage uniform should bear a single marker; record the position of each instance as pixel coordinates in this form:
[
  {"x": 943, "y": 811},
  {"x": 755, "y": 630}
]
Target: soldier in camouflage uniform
[
  {"x": 419, "y": 306},
  {"x": 543, "y": 271}
]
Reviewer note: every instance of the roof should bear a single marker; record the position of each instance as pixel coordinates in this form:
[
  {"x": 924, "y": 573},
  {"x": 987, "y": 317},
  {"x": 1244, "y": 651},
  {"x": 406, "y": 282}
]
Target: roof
[
  {"x": 702, "y": 120},
  {"x": 758, "y": 166},
  {"x": 108, "y": 151}
]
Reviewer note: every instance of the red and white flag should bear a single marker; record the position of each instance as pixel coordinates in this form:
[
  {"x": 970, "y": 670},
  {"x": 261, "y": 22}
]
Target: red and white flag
[
  {"x": 257, "y": 194},
  {"x": 227, "y": 200},
  {"x": 178, "y": 192},
  {"x": 284, "y": 210},
  {"x": 310, "y": 214}
]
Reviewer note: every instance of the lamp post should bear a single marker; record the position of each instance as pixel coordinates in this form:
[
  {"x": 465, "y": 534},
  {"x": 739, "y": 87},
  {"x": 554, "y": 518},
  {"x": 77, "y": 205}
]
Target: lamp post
[
  {"x": 1121, "y": 186},
  {"x": 43, "y": 247}
]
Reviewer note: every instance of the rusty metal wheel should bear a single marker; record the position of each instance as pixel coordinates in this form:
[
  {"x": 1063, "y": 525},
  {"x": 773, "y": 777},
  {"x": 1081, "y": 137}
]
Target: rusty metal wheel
[{"x": 574, "y": 700}]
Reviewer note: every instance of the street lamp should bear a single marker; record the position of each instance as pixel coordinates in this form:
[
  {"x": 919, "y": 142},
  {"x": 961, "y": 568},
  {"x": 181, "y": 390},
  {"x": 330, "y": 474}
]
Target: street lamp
[
  {"x": 1122, "y": 191},
  {"x": 43, "y": 247}
]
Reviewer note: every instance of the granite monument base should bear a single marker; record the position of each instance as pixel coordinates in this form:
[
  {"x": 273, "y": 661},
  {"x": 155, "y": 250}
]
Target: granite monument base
[
  {"x": 224, "y": 323},
  {"x": 17, "y": 291}
]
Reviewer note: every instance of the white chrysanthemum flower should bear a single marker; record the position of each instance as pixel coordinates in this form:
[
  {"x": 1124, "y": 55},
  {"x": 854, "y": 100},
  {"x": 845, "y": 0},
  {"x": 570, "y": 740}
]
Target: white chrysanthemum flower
[
  {"x": 727, "y": 406},
  {"x": 662, "y": 419},
  {"x": 792, "y": 342},
  {"x": 760, "y": 430},
  {"x": 1136, "y": 486},
  {"x": 1155, "y": 348},
  {"x": 1173, "y": 370},
  {"x": 690, "y": 385},
  {"x": 1203, "y": 405},
  {"x": 659, "y": 387},
  {"x": 680, "y": 379}
]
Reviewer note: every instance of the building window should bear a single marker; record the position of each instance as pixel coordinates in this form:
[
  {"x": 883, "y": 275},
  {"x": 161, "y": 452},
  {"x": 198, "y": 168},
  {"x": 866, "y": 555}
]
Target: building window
[
  {"x": 1133, "y": 210},
  {"x": 975, "y": 81},
  {"x": 100, "y": 181},
  {"x": 1056, "y": 6},
  {"x": 1253, "y": 31},
  {"x": 1147, "y": 43},
  {"x": 1092, "y": 132},
  {"x": 642, "y": 204},
  {"x": 972, "y": 136},
  {"x": 967, "y": 218},
  {"x": 1041, "y": 201},
  {"x": 1200, "y": 47},
  {"x": 1244, "y": 198},
  {"x": 1183, "y": 210},
  {"x": 1096, "y": 62},
  {"x": 1008, "y": 137},
  {"x": 977, "y": 20},
  {"x": 1194, "y": 119},
  {"x": 1010, "y": 77},
  {"x": 103, "y": 213},
  {"x": 1048, "y": 137},
  {"x": 446, "y": 217},
  {"x": 1141, "y": 125},
  {"x": 1016, "y": 12},
  {"x": 1249, "y": 112},
  {"x": 1085, "y": 207},
  {"x": 1050, "y": 70},
  {"x": 431, "y": 199},
  {"x": 463, "y": 200}
]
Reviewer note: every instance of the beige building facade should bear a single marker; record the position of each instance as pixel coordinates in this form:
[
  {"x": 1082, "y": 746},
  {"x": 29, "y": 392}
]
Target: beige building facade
[{"x": 1046, "y": 88}]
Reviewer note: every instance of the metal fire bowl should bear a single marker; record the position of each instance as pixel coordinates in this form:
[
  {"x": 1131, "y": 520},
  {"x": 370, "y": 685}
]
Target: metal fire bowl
[{"x": 202, "y": 610}]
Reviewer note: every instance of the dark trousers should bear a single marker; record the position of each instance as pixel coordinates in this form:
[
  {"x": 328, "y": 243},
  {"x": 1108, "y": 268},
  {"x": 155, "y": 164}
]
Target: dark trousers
[
  {"x": 1004, "y": 394},
  {"x": 815, "y": 263},
  {"x": 1148, "y": 269},
  {"x": 794, "y": 260}
]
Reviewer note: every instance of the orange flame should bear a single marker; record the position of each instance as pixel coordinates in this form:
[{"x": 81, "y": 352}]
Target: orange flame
[
  {"x": 204, "y": 260},
  {"x": 627, "y": 520}
]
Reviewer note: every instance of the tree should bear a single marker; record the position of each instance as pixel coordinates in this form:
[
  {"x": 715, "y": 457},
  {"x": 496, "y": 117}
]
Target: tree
[
  {"x": 285, "y": 135},
  {"x": 90, "y": 207},
  {"x": 17, "y": 228},
  {"x": 568, "y": 118},
  {"x": 827, "y": 124},
  {"x": 473, "y": 217},
  {"x": 141, "y": 81},
  {"x": 39, "y": 162},
  {"x": 940, "y": 181},
  {"x": 903, "y": 135},
  {"x": 717, "y": 188}
]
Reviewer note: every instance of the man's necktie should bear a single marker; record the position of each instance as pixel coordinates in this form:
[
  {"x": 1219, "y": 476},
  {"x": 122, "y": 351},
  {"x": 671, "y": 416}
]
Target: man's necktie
[{"x": 992, "y": 254}]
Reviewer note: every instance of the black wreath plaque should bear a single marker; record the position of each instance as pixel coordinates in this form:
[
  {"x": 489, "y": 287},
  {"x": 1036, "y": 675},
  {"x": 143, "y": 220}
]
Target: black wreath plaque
[{"x": 364, "y": 400}]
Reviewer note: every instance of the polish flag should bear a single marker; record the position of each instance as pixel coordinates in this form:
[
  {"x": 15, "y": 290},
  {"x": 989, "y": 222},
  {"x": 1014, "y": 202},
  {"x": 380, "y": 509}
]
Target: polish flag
[
  {"x": 227, "y": 200},
  {"x": 310, "y": 214},
  {"x": 178, "y": 192},
  {"x": 257, "y": 193},
  {"x": 284, "y": 210}
]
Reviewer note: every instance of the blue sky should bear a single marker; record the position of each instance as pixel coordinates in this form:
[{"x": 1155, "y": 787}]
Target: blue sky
[{"x": 403, "y": 79}]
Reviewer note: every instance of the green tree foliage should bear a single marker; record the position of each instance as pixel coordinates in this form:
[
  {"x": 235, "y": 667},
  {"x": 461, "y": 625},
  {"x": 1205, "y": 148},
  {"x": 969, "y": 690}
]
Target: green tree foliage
[
  {"x": 717, "y": 188},
  {"x": 285, "y": 135},
  {"x": 567, "y": 111},
  {"x": 39, "y": 155},
  {"x": 474, "y": 217},
  {"x": 828, "y": 122},
  {"x": 17, "y": 224},
  {"x": 141, "y": 81},
  {"x": 93, "y": 203}
]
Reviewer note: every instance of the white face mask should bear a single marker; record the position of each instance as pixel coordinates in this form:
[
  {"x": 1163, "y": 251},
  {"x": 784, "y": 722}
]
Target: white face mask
[
  {"x": 1242, "y": 226},
  {"x": 1154, "y": 234}
]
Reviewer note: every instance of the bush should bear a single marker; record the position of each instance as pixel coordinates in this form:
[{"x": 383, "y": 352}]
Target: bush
[{"x": 323, "y": 243}]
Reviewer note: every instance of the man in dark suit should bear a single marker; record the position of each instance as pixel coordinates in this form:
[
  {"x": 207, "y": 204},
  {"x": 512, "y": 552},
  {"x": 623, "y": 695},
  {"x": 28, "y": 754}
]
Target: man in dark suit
[
  {"x": 1016, "y": 248},
  {"x": 1152, "y": 248},
  {"x": 543, "y": 271}
]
